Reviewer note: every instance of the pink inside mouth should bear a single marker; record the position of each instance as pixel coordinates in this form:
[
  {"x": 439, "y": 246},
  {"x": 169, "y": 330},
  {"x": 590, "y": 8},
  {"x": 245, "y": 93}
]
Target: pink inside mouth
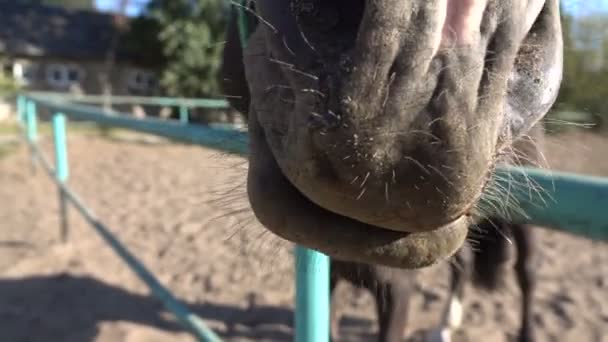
[{"x": 462, "y": 20}]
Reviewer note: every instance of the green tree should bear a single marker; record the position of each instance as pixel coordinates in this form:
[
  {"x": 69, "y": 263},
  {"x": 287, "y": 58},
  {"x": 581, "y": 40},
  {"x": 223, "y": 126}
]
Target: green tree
[
  {"x": 190, "y": 34},
  {"x": 570, "y": 58},
  {"x": 585, "y": 83},
  {"x": 76, "y": 4},
  {"x": 8, "y": 86},
  {"x": 72, "y": 4}
]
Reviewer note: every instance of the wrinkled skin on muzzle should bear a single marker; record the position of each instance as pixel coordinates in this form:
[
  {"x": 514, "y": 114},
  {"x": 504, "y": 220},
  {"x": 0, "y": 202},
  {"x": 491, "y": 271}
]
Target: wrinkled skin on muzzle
[{"x": 376, "y": 125}]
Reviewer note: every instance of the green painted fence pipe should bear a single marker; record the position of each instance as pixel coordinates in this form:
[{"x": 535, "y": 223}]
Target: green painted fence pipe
[
  {"x": 243, "y": 22},
  {"x": 31, "y": 121},
  {"x": 563, "y": 201},
  {"x": 31, "y": 129},
  {"x": 227, "y": 140},
  {"x": 187, "y": 318},
  {"x": 127, "y": 100},
  {"x": 21, "y": 109},
  {"x": 312, "y": 296},
  {"x": 61, "y": 169},
  {"x": 572, "y": 203},
  {"x": 183, "y": 114},
  {"x": 310, "y": 310}
]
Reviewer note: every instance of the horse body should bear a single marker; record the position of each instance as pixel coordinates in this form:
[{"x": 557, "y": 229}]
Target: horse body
[{"x": 375, "y": 128}]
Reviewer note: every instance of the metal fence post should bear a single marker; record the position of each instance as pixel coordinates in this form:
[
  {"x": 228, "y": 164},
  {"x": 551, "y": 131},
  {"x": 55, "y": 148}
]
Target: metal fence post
[
  {"x": 21, "y": 109},
  {"x": 31, "y": 129},
  {"x": 61, "y": 169},
  {"x": 31, "y": 118},
  {"x": 183, "y": 114},
  {"x": 312, "y": 296}
]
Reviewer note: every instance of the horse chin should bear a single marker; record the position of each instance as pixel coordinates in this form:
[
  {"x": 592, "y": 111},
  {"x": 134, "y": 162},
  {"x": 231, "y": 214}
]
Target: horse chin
[{"x": 282, "y": 209}]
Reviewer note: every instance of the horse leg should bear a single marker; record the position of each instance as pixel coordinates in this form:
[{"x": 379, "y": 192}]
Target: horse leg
[
  {"x": 524, "y": 269},
  {"x": 460, "y": 273},
  {"x": 390, "y": 287},
  {"x": 334, "y": 319},
  {"x": 460, "y": 270},
  {"x": 392, "y": 304}
]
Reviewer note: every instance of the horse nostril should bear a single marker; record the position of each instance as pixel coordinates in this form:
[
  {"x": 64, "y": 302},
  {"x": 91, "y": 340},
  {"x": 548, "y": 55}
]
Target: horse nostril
[
  {"x": 325, "y": 15},
  {"x": 308, "y": 7},
  {"x": 315, "y": 14}
]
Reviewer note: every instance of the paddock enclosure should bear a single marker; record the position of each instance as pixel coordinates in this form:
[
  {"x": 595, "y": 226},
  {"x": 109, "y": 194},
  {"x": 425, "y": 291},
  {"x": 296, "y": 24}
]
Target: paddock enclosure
[{"x": 181, "y": 210}]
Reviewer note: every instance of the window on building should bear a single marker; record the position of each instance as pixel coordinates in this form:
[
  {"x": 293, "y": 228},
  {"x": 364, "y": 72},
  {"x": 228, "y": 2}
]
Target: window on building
[
  {"x": 57, "y": 76},
  {"x": 152, "y": 82},
  {"x": 73, "y": 75},
  {"x": 63, "y": 76},
  {"x": 140, "y": 81}
]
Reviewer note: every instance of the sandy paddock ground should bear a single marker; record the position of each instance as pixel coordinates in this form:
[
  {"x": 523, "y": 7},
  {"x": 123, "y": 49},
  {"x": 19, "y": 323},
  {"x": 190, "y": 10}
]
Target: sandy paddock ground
[{"x": 181, "y": 210}]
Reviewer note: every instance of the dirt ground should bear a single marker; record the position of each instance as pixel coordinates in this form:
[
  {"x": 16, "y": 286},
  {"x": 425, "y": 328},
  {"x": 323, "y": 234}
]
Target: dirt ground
[{"x": 181, "y": 209}]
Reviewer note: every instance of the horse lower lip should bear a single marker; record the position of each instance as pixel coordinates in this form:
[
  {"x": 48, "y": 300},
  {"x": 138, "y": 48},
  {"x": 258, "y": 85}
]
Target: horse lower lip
[
  {"x": 406, "y": 230},
  {"x": 350, "y": 240},
  {"x": 405, "y": 250}
]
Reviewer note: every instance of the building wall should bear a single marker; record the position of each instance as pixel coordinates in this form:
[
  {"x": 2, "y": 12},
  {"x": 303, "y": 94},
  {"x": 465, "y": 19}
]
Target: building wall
[
  {"x": 87, "y": 77},
  {"x": 82, "y": 77}
]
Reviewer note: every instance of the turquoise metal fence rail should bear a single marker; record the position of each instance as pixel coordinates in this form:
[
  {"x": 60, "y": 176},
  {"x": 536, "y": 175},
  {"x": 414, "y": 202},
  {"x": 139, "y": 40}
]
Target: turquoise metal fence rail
[
  {"x": 571, "y": 203},
  {"x": 312, "y": 268},
  {"x": 227, "y": 140},
  {"x": 61, "y": 170},
  {"x": 568, "y": 202},
  {"x": 60, "y": 174},
  {"x": 185, "y": 105},
  {"x": 312, "y": 296},
  {"x": 139, "y": 100}
]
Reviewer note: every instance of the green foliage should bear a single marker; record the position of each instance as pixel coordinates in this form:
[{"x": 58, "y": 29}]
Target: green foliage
[
  {"x": 76, "y": 4},
  {"x": 72, "y": 4},
  {"x": 143, "y": 43},
  {"x": 585, "y": 83},
  {"x": 189, "y": 35},
  {"x": 8, "y": 87}
]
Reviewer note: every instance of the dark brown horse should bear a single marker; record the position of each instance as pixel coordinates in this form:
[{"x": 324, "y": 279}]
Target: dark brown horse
[{"x": 376, "y": 127}]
